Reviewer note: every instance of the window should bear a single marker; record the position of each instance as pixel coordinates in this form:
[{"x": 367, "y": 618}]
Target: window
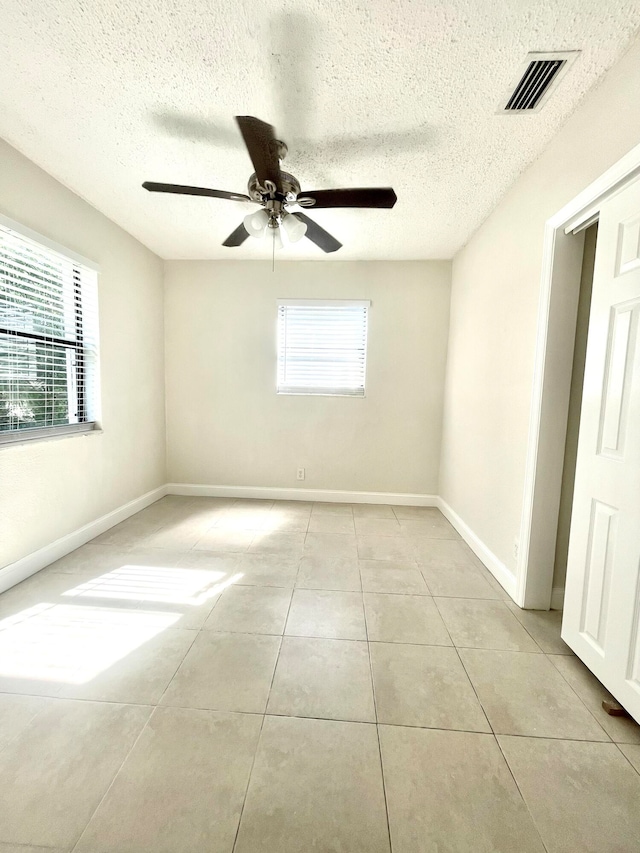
[
  {"x": 48, "y": 339},
  {"x": 322, "y": 346}
]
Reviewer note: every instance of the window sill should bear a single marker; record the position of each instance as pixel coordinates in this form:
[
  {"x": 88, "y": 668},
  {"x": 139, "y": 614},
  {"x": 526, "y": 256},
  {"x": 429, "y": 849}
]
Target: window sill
[
  {"x": 305, "y": 392},
  {"x": 26, "y": 436}
]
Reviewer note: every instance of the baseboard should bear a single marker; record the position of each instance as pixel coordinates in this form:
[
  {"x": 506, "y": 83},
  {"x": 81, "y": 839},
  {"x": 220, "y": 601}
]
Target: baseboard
[
  {"x": 13, "y": 573},
  {"x": 557, "y": 598},
  {"x": 284, "y": 494},
  {"x": 501, "y": 573}
]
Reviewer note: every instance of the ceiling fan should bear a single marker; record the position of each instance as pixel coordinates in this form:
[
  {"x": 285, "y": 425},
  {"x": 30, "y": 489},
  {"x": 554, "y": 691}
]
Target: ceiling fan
[{"x": 276, "y": 190}]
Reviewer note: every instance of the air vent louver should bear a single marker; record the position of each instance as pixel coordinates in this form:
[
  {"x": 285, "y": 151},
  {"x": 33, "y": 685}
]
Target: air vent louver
[{"x": 540, "y": 75}]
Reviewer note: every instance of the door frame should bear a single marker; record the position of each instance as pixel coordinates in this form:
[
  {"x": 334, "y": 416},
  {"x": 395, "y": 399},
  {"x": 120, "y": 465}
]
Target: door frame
[{"x": 555, "y": 338}]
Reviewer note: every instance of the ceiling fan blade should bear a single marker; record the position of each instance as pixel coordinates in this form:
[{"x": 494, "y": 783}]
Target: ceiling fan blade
[
  {"x": 237, "y": 237},
  {"x": 259, "y": 137},
  {"x": 318, "y": 235},
  {"x": 383, "y": 197},
  {"x": 182, "y": 190}
]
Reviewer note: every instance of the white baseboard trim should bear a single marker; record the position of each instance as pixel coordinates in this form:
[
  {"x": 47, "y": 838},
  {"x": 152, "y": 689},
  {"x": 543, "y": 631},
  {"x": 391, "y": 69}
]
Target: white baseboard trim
[
  {"x": 32, "y": 563},
  {"x": 274, "y": 493},
  {"x": 557, "y": 598},
  {"x": 501, "y": 573},
  {"x": 13, "y": 573}
]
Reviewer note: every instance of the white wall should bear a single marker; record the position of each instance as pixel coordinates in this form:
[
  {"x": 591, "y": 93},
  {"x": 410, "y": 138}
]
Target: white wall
[
  {"x": 227, "y": 426},
  {"x": 495, "y": 290},
  {"x": 51, "y": 488}
]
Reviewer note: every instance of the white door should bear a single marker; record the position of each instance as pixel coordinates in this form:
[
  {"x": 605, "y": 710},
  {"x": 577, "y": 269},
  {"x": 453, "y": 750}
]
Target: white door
[{"x": 601, "y": 619}]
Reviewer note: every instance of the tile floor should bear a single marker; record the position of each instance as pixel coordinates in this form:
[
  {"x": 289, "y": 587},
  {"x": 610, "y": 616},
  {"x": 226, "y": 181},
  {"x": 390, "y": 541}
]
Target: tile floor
[{"x": 257, "y": 677}]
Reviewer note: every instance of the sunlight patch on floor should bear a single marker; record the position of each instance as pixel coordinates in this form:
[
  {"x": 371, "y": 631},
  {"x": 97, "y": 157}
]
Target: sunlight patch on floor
[
  {"x": 73, "y": 643},
  {"x": 156, "y": 584}
]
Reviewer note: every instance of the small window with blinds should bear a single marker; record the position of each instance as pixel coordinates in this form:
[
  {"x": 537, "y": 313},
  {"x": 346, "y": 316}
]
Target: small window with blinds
[
  {"x": 48, "y": 340},
  {"x": 322, "y": 346}
]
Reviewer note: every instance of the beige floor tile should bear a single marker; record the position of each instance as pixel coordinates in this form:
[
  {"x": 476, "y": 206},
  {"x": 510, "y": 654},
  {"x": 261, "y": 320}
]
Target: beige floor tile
[
  {"x": 631, "y": 751},
  {"x": 404, "y": 619},
  {"x": 428, "y": 528},
  {"x": 444, "y": 553},
  {"x": 366, "y": 526},
  {"x": 141, "y": 675},
  {"x": 67, "y": 642},
  {"x": 131, "y": 530},
  {"x": 523, "y": 694},
  {"x": 251, "y": 610},
  {"x": 225, "y": 672},
  {"x": 208, "y": 510},
  {"x": 225, "y": 541},
  {"x": 332, "y": 509},
  {"x": 182, "y": 787},
  {"x": 544, "y": 626},
  {"x": 55, "y": 772},
  {"x": 98, "y": 558},
  {"x": 330, "y": 679},
  {"x": 267, "y": 570},
  {"x": 395, "y": 548},
  {"x": 452, "y": 792},
  {"x": 43, "y": 588},
  {"x": 486, "y": 574},
  {"x": 16, "y": 712},
  {"x": 294, "y": 506},
  {"x": 29, "y": 848},
  {"x": 188, "y": 593},
  {"x": 424, "y": 686},
  {"x": 453, "y": 581},
  {"x": 373, "y": 511},
  {"x": 480, "y": 624},
  {"x": 279, "y": 544},
  {"x": 212, "y": 561},
  {"x": 316, "y": 785},
  {"x": 325, "y": 522},
  {"x": 143, "y": 555},
  {"x": 326, "y": 545},
  {"x": 583, "y": 796},
  {"x": 593, "y": 693},
  {"x": 169, "y": 508},
  {"x": 289, "y": 520},
  {"x": 184, "y": 533},
  {"x": 245, "y": 518},
  {"x": 419, "y": 512},
  {"x": 329, "y": 573},
  {"x": 378, "y": 576},
  {"x": 329, "y": 614}
]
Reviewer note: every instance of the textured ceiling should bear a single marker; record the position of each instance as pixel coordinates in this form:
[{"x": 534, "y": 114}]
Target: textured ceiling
[{"x": 104, "y": 94}]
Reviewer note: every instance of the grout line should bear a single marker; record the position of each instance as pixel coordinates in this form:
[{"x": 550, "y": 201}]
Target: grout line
[
  {"x": 246, "y": 790},
  {"x": 168, "y": 685},
  {"x": 375, "y": 713},
  {"x": 115, "y": 776},
  {"x": 626, "y": 757},
  {"x": 526, "y": 805},
  {"x": 575, "y": 692}
]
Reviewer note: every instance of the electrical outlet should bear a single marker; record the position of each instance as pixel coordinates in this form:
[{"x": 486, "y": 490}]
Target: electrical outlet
[
  {"x": 300, "y": 474},
  {"x": 516, "y": 546}
]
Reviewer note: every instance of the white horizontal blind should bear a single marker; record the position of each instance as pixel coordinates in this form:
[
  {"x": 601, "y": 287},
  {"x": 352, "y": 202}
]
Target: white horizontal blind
[
  {"x": 322, "y": 346},
  {"x": 48, "y": 337}
]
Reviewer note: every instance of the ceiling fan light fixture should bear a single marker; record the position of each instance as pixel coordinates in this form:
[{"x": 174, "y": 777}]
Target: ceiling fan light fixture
[
  {"x": 256, "y": 223},
  {"x": 294, "y": 228}
]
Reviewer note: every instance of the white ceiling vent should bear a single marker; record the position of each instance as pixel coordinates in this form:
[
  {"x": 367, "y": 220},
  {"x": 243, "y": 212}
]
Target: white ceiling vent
[{"x": 538, "y": 77}]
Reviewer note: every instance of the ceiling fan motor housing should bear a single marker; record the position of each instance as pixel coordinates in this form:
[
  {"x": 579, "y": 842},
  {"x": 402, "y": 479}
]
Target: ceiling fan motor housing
[{"x": 290, "y": 186}]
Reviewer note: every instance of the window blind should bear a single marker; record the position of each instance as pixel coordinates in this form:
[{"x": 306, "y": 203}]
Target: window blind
[
  {"x": 322, "y": 346},
  {"x": 48, "y": 337}
]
